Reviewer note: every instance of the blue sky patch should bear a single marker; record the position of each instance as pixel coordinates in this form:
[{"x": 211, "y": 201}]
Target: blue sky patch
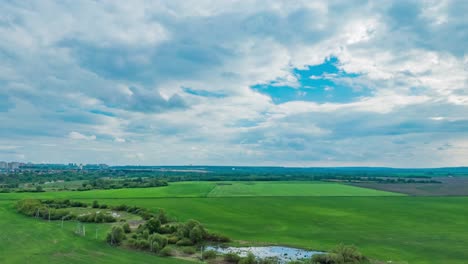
[{"x": 319, "y": 83}]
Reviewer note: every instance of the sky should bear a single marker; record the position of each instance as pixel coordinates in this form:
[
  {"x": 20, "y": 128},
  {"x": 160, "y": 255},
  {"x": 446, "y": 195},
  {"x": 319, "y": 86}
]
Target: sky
[{"x": 264, "y": 83}]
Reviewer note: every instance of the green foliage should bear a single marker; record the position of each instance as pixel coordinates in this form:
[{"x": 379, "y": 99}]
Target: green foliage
[
  {"x": 340, "y": 255},
  {"x": 249, "y": 259},
  {"x": 209, "y": 254},
  {"x": 157, "y": 242},
  {"x": 269, "y": 260},
  {"x": 192, "y": 230},
  {"x": 126, "y": 228},
  {"x": 166, "y": 252},
  {"x": 28, "y": 240},
  {"x": 172, "y": 239},
  {"x": 153, "y": 225},
  {"x": 189, "y": 250},
  {"x": 184, "y": 242},
  {"x": 196, "y": 234},
  {"x": 95, "y": 204},
  {"x": 115, "y": 236},
  {"x": 218, "y": 238},
  {"x": 162, "y": 217},
  {"x": 231, "y": 258},
  {"x": 96, "y": 217}
]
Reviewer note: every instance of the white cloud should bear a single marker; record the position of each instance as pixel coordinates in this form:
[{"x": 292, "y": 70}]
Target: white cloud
[
  {"x": 114, "y": 71},
  {"x": 79, "y": 136}
]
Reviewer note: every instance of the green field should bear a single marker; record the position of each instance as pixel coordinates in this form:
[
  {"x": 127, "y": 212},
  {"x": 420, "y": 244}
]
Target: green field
[
  {"x": 28, "y": 240},
  {"x": 233, "y": 189},
  {"x": 317, "y": 216},
  {"x": 213, "y": 189}
]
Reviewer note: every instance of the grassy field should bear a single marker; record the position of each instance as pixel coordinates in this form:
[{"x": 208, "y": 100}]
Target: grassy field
[
  {"x": 179, "y": 189},
  {"x": 402, "y": 229},
  {"x": 406, "y": 229},
  {"x": 233, "y": 189},
  {"x": 27, "y": 240},
  {"x": 213, "y": 189}
]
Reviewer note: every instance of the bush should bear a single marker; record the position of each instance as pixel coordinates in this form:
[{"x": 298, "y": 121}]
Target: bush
[
  {"x": 115, "y": 236},
  {"x": 142, "y": 244},
  {"x": 166, "y": 252},
  {"x": 121, "y": 207},
  {"x": 95, "y": 204},
  {"x": 153, "y": 225},
  {"x": 184, "y": 242},
  {"x": 126, "y": 228},
  {"x": 250, "y": 259},
  {"x": 232, "y": 257},
  {"x": 269, "y": 260},
  {"x": 189, "y": 250},
  {"x": 78, "y": 204},
  {"x": 167, "y": 229},
  {"x": 217, "y": 238},
  {"x": 340, "y": 255},
  {"x": 209, "y": 254},
  {"x": 157, "y": 242},
  {"x": 162, "y": 217},
  {"x": 172, "y": 239},
  {"x": 196, "y": 234}
]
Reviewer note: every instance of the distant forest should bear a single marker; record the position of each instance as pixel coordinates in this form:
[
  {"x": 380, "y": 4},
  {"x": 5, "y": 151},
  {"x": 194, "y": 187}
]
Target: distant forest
[{"x": 151, "y": 176}]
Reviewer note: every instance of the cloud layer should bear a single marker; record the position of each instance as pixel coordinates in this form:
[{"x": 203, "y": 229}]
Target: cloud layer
[{"x": 296, "y": 83}]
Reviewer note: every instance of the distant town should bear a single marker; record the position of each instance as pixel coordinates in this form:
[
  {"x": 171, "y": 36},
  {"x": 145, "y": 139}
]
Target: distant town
[{"x": 15, "y": 166}]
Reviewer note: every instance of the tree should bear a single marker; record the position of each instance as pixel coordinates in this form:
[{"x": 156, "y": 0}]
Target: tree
[
  {"x": 95, "y": 204},
  {"x": 126, "y": 228},
  {"x": 162, "y": 217},
  {"x": 196, "y": 234},
  {"x": 116, "y": 235},
  {"x": 157, "y": 242},
  {"x": 153, "y": 225}
]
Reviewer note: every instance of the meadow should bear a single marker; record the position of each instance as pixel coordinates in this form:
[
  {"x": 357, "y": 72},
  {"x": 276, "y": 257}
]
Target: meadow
[
  {"x": 213, "y": 189},
  {"x": 28, "y": 240},
  {"x": 385, "y": 226}
]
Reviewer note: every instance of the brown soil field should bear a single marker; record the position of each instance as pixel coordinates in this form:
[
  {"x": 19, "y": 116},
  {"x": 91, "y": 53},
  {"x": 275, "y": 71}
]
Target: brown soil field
[{"x": 450, "y": 186}]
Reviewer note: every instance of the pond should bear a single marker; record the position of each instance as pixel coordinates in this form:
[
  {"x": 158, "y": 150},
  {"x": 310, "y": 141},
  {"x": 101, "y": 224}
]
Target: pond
[{"x": 284, "y": 254}]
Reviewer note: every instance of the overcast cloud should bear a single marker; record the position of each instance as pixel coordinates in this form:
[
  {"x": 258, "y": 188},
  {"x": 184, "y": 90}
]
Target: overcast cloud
[{"x": 293, "y": 83}]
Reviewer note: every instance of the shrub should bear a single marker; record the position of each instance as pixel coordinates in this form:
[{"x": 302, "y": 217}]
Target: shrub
[
  {"x": 196, "y": 234},
  {"x": 217, "y": 238},
  {"x": 349, "y": 254},
  {"x": 162, "y": 217},
  {"x": 121, "y": 207},
  {"x": 269, "y": 260},
  {"x": 142, "y": 244},
  {"x": 189, "y": 250},
  {"x": 157, "y": 242},
  {"x": 232, "y": 257},
  {"x": 340, "y": 255},
  {"x": 116, "y": 235},
  {"x": 172, "y": 239},
  {"x": 153, "y": 225},
  {"x": 250, "y": 259},
  {"x": 209, "y": 254},
  {"x": 126, "y": 228},
  {"x": 184, "y": 242},
  {"x": 166, "y": 252},
  {"x": 78, "y": 204},
  {"x": 167, "y": 229},
  {"x": 95, "y": 204}
]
